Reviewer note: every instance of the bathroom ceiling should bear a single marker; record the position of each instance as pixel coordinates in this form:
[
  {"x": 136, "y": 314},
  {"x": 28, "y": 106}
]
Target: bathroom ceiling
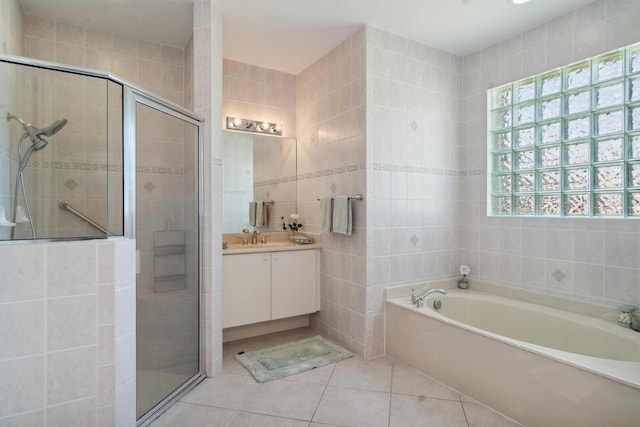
[{"x": 289, "y": 35}]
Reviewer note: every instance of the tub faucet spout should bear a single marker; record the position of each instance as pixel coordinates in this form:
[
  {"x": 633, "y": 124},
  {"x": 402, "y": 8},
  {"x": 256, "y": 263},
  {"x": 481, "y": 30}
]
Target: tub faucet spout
[{"x": 418, "y": 300}]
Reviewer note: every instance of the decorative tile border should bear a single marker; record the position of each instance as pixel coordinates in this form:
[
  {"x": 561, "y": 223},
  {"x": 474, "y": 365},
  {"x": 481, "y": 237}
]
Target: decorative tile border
[
  {"x": 393, "y": 168},
  {"x": 330, "y": 172},
  {"x": 75, "y": 166},
  {"x": 474, "y": 172},
  {"x": 159, "y": 171},
  {"x": 103, "y": 167},
  {"x": 275, "y": 181}
]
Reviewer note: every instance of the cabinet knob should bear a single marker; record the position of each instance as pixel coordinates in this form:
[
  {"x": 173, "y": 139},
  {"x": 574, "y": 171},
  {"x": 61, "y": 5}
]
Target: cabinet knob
[
  {"x": 276, "y": 257},
  {"x": 265, "y": 258}
]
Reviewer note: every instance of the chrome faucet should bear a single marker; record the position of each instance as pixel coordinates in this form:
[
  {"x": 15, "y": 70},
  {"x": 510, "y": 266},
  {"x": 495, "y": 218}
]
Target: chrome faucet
[
  {"x": 418, "y": 300},
  {"x": 254, "y": 238}
]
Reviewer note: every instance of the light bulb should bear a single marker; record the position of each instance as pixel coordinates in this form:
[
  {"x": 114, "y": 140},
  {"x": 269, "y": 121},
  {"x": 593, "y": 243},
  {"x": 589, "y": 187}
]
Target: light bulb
[
  {"x": 265, "y": 126},
  {"x": 519, "y": 1},
  {"x": 278, "y": 127},
  {"x": 236, "y": 122}
]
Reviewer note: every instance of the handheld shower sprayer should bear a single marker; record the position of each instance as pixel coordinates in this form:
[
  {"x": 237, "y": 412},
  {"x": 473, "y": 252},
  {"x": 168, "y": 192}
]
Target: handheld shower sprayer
[
  {"x": 36, "y": 134},
  {"x": 38, "y": 142}
]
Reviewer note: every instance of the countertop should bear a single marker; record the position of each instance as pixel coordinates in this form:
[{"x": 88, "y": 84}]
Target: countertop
[{"x": 276, "y": 242}]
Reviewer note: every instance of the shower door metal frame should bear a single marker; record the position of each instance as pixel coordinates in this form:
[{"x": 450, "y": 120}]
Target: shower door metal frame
[{"x": 131, "y": 97}]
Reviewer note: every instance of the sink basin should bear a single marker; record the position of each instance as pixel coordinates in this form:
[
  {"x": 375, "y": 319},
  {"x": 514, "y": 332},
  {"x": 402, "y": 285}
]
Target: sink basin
[{"x": 276, "y": 244}]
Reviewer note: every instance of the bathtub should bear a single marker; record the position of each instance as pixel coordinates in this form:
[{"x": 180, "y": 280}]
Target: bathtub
[{"x": 539, "y": 365}]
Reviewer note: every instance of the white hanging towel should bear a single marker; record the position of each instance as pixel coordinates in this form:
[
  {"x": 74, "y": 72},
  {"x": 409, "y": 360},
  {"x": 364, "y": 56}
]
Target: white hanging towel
[
  {"x": 342, "y": 215},
  {"x": 252, "y": 213},
  {"x": 326, "y": 215},
  {"x": 261, "y": 214}
]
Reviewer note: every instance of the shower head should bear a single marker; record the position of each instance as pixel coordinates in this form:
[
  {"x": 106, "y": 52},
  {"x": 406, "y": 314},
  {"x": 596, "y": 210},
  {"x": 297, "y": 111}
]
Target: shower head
[
  {"x": 53, "y": 128},
  {"x": 35, "y": 134}
]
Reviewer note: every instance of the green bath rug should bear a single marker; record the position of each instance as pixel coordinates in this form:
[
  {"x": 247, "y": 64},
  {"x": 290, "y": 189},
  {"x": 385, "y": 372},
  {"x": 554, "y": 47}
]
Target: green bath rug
[{"x": 292, "y": 358}]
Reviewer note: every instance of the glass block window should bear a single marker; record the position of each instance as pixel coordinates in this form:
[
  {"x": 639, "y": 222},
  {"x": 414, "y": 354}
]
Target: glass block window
[{"x": 567, "y": 142}]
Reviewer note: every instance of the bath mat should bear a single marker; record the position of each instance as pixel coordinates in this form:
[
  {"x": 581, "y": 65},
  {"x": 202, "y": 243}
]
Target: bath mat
[{"x": 292, "y": 358}]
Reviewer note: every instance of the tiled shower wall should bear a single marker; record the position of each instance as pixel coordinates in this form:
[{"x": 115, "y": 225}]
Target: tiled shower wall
[
  {"x": 331, "y": 161},
  {"x": 80, "y": 372},
  {"x": 158, "y": 68},
  {"x": 11, "y": 28},
  {"x": 11, "y": 44},
  {"x": 68, "y": 331},
  {"x": 592, "y": 260},
  {"x": 414, "y": 147}
]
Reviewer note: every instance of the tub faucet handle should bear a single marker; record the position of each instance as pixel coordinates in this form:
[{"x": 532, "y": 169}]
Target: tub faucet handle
[{"x": 416, "y": 299}]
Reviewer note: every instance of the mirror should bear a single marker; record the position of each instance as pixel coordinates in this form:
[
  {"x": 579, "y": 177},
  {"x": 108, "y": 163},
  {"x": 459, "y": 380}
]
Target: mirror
[{"x": 257, "y": 168}]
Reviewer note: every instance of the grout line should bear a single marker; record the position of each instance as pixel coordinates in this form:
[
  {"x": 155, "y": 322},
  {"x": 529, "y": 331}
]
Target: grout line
[
  {"x": 464, "y": 411},
  {"x": 393, "y": 367},
  {"x": 324, "y": 389}
]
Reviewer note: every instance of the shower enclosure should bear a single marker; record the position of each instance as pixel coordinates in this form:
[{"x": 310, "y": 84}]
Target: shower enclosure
[
  {"x": 86, "y": 155},
  {"x": 60, "y": 148}
]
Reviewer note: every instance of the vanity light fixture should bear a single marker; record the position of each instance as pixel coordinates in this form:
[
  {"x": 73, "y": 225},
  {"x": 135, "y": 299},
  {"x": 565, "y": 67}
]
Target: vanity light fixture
[{"x": 245, "y": 125}]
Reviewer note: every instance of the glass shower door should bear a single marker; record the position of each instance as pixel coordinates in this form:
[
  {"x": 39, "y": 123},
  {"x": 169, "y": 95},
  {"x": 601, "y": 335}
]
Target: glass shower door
[{"x": 167, "y": 239}]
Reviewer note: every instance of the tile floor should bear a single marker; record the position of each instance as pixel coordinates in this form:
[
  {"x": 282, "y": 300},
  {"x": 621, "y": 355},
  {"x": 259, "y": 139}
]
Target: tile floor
[{"x": 352, "y": 392}]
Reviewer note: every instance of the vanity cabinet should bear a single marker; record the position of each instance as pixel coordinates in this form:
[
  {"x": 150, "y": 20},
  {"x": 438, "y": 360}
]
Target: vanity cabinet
[
  {"x": 246, "y": 289},
  {"x": 257, "y": 287}
]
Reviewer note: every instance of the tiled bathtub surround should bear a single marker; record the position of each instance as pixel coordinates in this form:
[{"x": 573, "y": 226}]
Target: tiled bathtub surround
[
  {"x": 592, "y": 260},
  {"x": 414, "y": 190},
  {"x": 68, "y": 333}
]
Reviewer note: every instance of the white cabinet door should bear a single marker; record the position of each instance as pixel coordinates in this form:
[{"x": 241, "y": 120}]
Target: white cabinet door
[
  {"x": 293, "y": 283},
  {"x": 246, "y": 289}
]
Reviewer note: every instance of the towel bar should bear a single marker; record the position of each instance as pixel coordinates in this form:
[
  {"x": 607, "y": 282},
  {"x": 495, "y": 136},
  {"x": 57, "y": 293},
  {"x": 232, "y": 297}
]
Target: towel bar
[{"x": 353, "y": 197}]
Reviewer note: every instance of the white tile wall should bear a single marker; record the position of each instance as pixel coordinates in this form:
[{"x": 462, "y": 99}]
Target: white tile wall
[
  {"x": 208, "y": 76},
  {"x": 158, "y": 68},
  {"x": 597, "y": 259},
  {"x": 414, "y": 143},
  {"x": 258, "y": 93},
  {"x": 331, "y": 160},
  {"x": 57, "y": 359},
  {"x": 11, "y": 28}
]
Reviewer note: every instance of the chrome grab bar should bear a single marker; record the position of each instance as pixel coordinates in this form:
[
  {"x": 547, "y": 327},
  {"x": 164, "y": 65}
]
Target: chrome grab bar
[{"x": 66, "y": 206}]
